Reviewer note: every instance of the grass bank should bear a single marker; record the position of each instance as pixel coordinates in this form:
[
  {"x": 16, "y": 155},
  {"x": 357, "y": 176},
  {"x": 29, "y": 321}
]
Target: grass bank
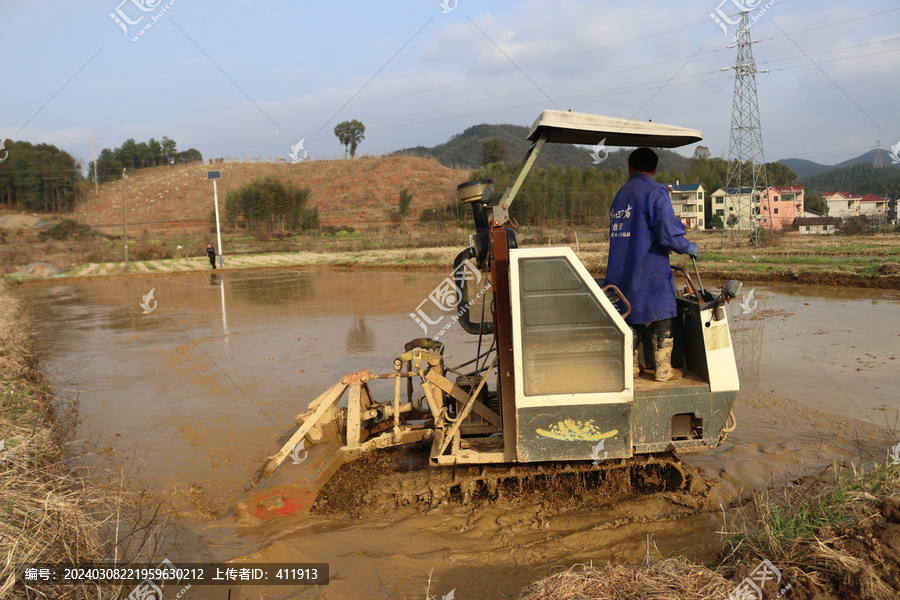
[
  {"x": 47, "y": 513},
  {"x": 871, "y": 261},
  {"x": 830, "y": 536},
  {"x": 44, "y": 513}
]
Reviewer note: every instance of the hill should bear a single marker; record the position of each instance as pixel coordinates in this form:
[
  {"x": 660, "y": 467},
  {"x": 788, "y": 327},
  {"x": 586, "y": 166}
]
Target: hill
[
  {"x": 859, "y": 178},
  {"x": 466, "y": 150},
  {"x": 802, "y": 167},
  {"x": 346, "y": 192},
  {"x": 807, "y": 168}
]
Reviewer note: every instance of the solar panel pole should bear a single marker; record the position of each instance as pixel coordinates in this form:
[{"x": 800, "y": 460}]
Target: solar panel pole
[{"x": 214, "y": 175}]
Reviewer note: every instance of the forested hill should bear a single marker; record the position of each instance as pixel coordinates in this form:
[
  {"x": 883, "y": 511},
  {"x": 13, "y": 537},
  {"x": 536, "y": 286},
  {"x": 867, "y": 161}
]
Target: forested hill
[
  {"x": 861, "y": 178},
  {"x": 466, "y": 150},
  {"x": 807, "y": 168}
]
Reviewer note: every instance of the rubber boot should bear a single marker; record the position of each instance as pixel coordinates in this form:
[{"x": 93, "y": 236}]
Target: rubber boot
[{"x": 663, "y": 343}]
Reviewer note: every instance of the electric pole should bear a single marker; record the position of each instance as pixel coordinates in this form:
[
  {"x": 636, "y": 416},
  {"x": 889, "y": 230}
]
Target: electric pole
[
  {"x": 746, "y": 179},
  {"x": 94, "y": 145},
  {"x": 124, "y": 219}
]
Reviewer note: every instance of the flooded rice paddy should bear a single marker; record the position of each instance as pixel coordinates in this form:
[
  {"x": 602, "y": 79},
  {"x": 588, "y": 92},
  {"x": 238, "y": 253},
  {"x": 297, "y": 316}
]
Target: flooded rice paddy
[{"x": 187, "y": 399}]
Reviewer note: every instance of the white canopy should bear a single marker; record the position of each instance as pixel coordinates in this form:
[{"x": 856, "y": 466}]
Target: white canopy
[{"x": 566, "y": 127}]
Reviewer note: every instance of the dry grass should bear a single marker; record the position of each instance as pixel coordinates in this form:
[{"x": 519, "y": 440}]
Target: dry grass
[
  {"x": 42, "y": 508},
  {"x": 46, "y": 514},
  {"x": 672, "y": 579},
  {"x": 832, "y": 530}
]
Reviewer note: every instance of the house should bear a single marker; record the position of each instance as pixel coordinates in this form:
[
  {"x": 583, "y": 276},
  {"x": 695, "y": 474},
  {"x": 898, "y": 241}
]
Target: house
[
  {"x": 842, "y": 205},
  {"x": 688, "y": 203},
  {"x": 779, "y": 206},
  {"x": 814, "y": 225},
  {"x": 873, "y": 207},
  {"x": 728, "y": 202}
]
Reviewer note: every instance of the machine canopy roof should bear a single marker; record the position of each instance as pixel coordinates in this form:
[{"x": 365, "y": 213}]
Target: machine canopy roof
[{"x": 566, "y": 127}]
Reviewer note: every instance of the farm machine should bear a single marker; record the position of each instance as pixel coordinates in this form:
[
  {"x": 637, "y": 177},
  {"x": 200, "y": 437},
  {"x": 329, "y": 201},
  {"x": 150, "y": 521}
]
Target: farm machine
[{"x": 551, "y": 389}]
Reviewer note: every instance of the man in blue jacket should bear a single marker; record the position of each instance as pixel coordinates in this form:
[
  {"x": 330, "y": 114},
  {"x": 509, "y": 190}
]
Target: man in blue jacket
[{"x": 643, "y": 229}]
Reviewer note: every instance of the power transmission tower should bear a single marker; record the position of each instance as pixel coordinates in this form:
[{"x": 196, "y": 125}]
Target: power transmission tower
[
  {"x": 746, "y": 178},
  {"x": 878, "y": 163}
]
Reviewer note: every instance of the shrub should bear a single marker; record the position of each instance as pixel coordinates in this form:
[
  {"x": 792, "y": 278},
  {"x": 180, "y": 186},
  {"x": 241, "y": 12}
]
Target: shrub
[{"x": 67, "y": 230}]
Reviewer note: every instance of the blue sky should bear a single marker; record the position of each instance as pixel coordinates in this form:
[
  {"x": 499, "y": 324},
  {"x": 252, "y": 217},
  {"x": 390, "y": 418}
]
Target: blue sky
[{"x": 236, "y": 78}]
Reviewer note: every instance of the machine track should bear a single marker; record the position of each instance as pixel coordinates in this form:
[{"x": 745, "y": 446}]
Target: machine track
[{"x": 396, "y": 478}]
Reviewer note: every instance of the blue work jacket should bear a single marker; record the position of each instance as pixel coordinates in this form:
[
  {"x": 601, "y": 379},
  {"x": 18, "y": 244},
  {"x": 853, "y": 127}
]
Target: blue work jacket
[{"x": 643, "y": 229}]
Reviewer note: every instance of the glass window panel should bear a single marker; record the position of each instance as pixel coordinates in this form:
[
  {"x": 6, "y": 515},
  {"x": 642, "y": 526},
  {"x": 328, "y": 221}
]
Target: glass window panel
[{"x": 570, "y": 344}]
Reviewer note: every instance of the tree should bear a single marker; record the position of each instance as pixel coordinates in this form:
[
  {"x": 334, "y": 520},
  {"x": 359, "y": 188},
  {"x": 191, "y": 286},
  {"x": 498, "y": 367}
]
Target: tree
[
  {"x": 701, "y": 153},
  {"x": 40, "y": 177},
  {"x": 134, "y": 155},
  {"x": 814, "y": 202},
  {"x": 350, "y": 134},
  {"x": 272, "y": 204},
  {"x": 405, "y": 201},
  {"x": 494, "y": 151},
  {"x": 779, "y": 174},
  {"x": 715, "y": 222}
]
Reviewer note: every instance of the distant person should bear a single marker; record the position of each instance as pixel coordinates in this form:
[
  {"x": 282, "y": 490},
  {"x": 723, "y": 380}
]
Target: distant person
[
  {"x": 211, "y": 253},
  {"x": 643, "y": 229}
]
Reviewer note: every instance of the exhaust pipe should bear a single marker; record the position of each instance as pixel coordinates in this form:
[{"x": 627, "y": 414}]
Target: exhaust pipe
[{"x": 462, "y": 297}]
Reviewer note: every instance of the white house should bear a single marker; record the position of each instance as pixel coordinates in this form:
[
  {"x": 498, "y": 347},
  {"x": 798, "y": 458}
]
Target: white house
[
  {"x": 736, "y": 202},
  {"x": 842, "y": 205},
  {"x": 688, "y": 202}
]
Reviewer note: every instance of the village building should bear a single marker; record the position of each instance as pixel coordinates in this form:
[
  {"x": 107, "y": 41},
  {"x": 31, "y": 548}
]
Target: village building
[
  {"x": 779, "y": 206},
  {"x": 689, "y": 204},
  {"x": 873, "y": 207},
  {"x": 812, "y": 223},
  {"x": 842, "y": 205}
]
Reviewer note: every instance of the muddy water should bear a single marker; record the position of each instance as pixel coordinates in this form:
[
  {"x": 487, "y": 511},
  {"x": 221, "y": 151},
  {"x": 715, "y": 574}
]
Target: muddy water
[{"x": 188, "y": 399}]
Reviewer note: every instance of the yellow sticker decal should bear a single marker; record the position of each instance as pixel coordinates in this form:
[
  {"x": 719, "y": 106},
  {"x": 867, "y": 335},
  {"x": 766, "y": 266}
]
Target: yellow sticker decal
[{"x": 576, "y": 430}]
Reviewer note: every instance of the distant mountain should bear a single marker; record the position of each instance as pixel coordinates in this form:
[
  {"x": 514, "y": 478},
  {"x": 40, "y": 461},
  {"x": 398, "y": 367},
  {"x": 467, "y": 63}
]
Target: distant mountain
[
  {"x": 858, "y": 178},
  {"x": 802, "y": 167},
  {"x": 465, "y": 150},
  {"x": 807, "y": 168},
  {"x": 869, "y": 158}
]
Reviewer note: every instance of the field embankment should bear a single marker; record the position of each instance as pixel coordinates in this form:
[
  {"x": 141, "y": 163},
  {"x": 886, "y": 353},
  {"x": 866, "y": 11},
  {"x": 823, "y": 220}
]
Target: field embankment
[
  {"x": 44, "y": 514},
  {"x": 860, "y": 261}
]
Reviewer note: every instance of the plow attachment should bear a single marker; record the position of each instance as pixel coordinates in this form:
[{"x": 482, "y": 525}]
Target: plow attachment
[{"x": 329, "y": 435}]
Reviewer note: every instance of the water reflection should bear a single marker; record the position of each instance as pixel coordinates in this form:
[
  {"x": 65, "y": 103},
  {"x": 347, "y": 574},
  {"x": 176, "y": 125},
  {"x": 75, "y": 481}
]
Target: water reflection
[{"x": 360, "y": 338}]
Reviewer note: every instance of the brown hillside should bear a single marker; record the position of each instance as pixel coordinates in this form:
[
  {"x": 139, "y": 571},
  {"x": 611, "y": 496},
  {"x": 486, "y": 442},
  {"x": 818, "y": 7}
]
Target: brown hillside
[{"x": 346, "y": 192}]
